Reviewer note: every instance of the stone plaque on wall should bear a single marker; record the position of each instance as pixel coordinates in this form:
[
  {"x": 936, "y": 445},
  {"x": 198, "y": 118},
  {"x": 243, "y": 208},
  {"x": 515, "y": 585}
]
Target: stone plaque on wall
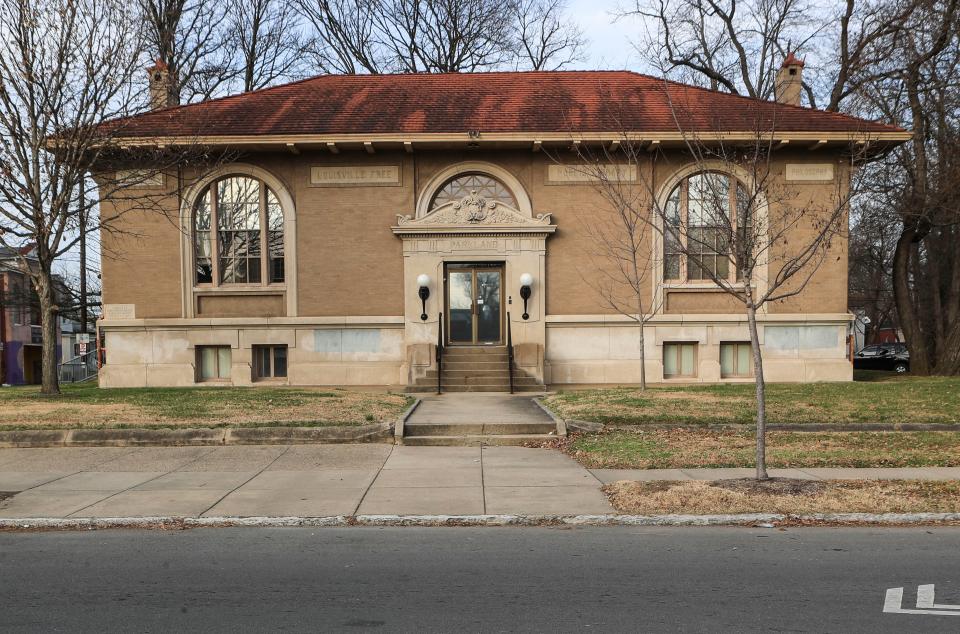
[
  {"x": 335, "y": 175},
  {"x": 139, "y": 179},
  {"x": 119, "y": 311},
  {"x": 809, "y": 171},
  {"x": 590, "y": 173}
]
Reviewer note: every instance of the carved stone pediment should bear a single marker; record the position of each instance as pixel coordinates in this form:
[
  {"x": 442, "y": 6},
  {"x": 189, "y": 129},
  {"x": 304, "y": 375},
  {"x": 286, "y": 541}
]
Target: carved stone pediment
[{"x": 474, "y": 210}]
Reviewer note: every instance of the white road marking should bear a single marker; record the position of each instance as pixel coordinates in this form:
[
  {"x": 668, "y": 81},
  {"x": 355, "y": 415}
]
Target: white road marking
[
  {"x": 925, "y": 599},
  {"x": 894, "y": 600}
]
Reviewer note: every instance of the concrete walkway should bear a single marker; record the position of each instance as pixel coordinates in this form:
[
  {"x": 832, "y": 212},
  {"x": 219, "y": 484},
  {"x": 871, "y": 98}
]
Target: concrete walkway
[
  {"x": 330, "y": 480},
  {"x": 466, "y": 408},
  {"x": 299, "y": 480}
]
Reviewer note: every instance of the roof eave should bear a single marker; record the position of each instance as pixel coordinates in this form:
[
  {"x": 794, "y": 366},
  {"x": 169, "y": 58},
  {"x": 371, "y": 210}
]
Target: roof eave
[{"x": 292, "y": 141}]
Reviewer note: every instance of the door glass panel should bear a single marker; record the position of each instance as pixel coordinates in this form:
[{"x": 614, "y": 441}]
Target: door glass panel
[
  {"x": 461, "y": 305},
  {"x": 488, "y": 306}
]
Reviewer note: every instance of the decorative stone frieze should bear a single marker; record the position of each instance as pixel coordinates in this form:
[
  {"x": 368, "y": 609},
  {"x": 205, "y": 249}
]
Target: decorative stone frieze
[{"x": 474, "y": 210}]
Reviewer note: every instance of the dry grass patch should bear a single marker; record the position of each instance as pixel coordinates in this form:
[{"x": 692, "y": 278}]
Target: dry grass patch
[
  {"x": 90, "y": 406},
  {"x": 781, "y": 495},
  {"x": 873, "y": 398},
  {"x": 690, "y": 448}
]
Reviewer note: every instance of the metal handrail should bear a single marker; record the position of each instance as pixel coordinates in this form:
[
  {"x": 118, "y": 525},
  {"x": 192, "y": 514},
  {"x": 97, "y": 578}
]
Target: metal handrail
[
  {"x": 440, "y": 355},
  {"x": 80, "y": 368},
  {"x": 510, "y": 351}
]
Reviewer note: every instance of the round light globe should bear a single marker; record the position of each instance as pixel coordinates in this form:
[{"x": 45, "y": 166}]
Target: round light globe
[
  {"x": 526, "y": 280},
  {"x": 423, "y": 280}
]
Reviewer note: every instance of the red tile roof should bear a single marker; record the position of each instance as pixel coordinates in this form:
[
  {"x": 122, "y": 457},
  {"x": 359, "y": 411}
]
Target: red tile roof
[{"x": 534, "y": 102}]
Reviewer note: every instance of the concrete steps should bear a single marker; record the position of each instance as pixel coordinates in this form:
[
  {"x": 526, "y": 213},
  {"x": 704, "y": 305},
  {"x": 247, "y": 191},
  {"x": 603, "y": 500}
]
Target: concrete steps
[
  {"x": 427, "y": 388},
  {"x": 411, "y": 430},
  {"x": 458, "y": 420},
  {"x": 476, "y": 369},
  {"x": 493, "y": 440}
]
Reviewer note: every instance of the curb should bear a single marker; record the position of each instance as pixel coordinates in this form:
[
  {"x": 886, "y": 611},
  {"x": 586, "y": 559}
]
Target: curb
[
  {"x": 402, "y": 420},
  {"x": 561, "y": 424},
  {"x": 593, "y": 427},
  {"x": 195, "y": 437},
  {"x": 761, "y": 520}
]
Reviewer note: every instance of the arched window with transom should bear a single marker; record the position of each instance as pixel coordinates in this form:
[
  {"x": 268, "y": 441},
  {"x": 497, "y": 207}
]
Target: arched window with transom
[
  {"x": 702, "y": 215},
  {"x": 238, "y": 233},
  {"x": 462, "y": 185}
]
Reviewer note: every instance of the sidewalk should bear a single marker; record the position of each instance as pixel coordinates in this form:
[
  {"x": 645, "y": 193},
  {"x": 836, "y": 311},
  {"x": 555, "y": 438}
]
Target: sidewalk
[
  {"x": 332, "y": 480},
  {"x": 299, "y": 480}
]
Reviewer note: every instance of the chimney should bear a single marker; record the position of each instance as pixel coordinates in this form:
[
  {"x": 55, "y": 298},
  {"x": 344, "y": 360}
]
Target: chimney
[
  {"x": 163, "y": 94},
  {"x": 789, "y": 79}
]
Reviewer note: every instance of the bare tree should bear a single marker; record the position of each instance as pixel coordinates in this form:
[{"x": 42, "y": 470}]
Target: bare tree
[
  {"x": 439, "y": 36},
  {"x": 68, "y": 81},
  {"x": 922, "y": 94},
  {"x": 268, "y": 39},
  {"x": 347, "y": 40},
  {"x": 623, "y": 264},
  {"x": 63, "y": 70},
  {"x": 545, "y": 37},
  {"x": 734, "y": 224},
  {"x": 873, "y": 238},
  {"x": 191, "y": 37},
  {"x": 737, "y": 47},
  {"x": 890, "y": 59}
]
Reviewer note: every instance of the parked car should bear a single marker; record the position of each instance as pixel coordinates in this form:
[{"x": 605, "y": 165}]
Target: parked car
[{"x": 883, "y": 356}]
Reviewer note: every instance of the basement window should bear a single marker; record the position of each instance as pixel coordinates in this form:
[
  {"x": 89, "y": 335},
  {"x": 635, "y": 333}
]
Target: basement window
[
  {"x": 269, "y": 362},
  {"x": 213, "y": 363},
  {"x": 679, "y": 360},
  {"x": 736, "y": 360}
]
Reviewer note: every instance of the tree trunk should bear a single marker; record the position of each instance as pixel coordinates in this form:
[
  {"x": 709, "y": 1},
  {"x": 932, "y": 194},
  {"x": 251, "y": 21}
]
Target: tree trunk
[
  {"x": 909, "y": 320},
  {"x": 761, "y": 394},
  {"x": 48, "y": 325},
  {"x": 643, "y": 360}
]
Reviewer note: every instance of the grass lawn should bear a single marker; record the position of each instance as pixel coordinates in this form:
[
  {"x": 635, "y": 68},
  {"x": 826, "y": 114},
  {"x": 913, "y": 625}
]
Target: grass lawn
[
  {"x": 874, "y": 397},
  {"x": 87, "y": 405},
  {"x": 690, "y": 448},
  {"x": 784, "y": 496}
]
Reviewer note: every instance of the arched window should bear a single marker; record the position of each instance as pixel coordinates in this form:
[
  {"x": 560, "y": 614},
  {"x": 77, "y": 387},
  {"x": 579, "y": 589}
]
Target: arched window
[
  {"x": 238, "y": 233},
  {"x": 462, "y": 185},
  {"x": 702, "y": 215}
]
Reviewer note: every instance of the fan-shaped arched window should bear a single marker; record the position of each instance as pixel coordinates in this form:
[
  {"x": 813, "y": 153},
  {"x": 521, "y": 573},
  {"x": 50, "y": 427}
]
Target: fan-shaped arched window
[
  {"x": 702, "y": 213},
  {"x": 238, "y": 233},
  {"x": 462, "y": 185}
]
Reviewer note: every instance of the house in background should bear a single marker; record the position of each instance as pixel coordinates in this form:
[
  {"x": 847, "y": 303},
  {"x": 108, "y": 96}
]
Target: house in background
[
  {"x": 366, "y": 223},
  {"x": 21, "y": 337}
]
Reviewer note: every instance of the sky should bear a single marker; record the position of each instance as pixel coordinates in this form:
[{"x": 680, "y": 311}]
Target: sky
[{"x": 610, "y": 44}]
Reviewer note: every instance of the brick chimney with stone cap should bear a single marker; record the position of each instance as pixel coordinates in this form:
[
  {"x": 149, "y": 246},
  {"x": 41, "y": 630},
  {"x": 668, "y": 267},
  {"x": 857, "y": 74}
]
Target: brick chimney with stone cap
[
  {"x": 163, "y": 94},
  {"x": 790, "y": 80}
]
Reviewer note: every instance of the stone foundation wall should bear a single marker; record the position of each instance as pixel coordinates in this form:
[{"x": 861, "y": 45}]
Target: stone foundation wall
[
  {"x": 583, "y": 350},
  {"x": 154, "y": 355}
]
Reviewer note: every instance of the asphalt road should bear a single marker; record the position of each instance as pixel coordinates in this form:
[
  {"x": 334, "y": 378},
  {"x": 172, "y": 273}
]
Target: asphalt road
[{"x": 476, "y": 579}]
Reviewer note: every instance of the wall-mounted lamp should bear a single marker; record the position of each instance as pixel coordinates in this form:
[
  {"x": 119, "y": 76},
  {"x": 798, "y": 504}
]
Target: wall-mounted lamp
[
  {"x": 526, "y": 281},
  {"x": 423, "y": 281}
]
